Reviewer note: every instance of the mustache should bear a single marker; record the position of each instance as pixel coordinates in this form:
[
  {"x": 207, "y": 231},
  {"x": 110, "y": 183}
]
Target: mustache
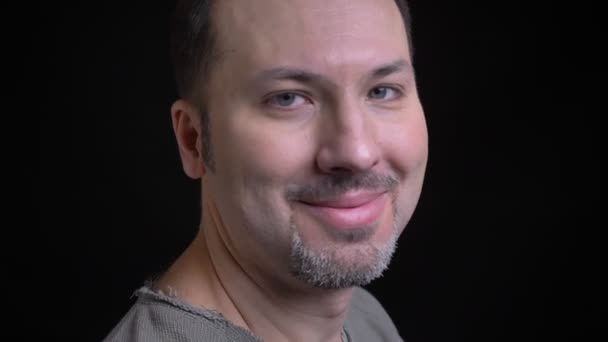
[{"x": 335, "y": 185}]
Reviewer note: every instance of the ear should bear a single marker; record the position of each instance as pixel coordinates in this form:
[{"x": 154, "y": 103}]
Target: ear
[{"x": 187, "y": 129}]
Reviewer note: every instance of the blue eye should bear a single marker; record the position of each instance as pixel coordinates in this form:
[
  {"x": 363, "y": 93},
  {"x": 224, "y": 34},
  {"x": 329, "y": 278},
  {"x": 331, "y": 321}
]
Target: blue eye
[
  {"x": 383, "y": 93},
  {"x": 378, "y": 93},
  {"x": 286, "y": 100}
]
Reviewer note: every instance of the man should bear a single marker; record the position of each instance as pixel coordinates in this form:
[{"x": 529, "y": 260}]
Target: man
[{"x": 302, "y": 119}]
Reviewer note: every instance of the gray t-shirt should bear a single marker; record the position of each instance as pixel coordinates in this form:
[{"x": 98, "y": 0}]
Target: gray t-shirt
[{"x": 157, "y": 317}]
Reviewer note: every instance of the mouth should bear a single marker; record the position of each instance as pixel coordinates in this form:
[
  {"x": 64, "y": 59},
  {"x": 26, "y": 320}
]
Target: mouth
[{"x": 355, "y": 210}]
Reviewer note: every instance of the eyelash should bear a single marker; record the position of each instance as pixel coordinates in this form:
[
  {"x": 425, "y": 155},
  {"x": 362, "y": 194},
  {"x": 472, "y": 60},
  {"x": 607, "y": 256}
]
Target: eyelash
[
  {"x": 399, "y": 93},
  {"x": 274, "y": 96}
]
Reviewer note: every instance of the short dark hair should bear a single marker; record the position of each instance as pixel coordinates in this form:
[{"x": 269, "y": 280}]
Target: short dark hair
[
  {"x": 193, "y": 48},
  {"x": 194, "y": 51}
]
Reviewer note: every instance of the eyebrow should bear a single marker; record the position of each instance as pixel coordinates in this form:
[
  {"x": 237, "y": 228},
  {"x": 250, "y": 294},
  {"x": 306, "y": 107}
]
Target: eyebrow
[
  {"x": 400, "y": 65},
  {"x": 309, "y": 77}
]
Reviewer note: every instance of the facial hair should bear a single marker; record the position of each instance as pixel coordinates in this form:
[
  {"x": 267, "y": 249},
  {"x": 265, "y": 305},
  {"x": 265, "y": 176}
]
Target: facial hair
[
  {"x": 329, "y": 269},
  {"x": 352, "y": 259}
]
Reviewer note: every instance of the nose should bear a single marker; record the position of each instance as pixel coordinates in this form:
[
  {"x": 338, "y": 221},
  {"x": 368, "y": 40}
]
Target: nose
[{"x": 348, "y": 141}]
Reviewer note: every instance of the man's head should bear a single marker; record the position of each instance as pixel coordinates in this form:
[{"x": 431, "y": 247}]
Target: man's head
[
  {"x": 314, "y": 136},
  {"x": 194, "y": 51}
]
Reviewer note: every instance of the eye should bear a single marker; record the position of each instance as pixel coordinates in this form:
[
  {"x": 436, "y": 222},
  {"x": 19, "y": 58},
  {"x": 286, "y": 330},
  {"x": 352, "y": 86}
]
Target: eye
[
  {"x": 286, "y": 100},
  {"x": 384, "y": 93}
]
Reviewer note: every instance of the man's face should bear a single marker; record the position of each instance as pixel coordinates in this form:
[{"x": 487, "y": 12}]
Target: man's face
[{"x": 318, "y": 134}]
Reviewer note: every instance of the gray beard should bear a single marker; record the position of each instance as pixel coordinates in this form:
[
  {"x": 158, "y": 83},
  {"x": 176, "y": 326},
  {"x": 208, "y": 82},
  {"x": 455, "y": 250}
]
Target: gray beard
[{"x": 329, "y": 270}]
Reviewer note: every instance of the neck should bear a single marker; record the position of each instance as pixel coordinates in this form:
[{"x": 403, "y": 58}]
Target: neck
[{"x": 208, "y": 274}]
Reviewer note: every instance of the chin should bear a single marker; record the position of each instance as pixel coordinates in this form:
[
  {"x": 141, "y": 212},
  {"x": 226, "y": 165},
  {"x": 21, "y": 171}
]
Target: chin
[{"x": 348, "y": 263}]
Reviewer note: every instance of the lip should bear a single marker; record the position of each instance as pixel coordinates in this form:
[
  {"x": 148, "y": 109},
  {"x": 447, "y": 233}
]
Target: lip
[{"x": 350, "y": 211}]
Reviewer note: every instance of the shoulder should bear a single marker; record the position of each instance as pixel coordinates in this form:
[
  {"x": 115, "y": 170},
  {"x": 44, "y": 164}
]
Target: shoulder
[
  {"x": 368, "y": 321},
  {"x": 155, "y": 317}
]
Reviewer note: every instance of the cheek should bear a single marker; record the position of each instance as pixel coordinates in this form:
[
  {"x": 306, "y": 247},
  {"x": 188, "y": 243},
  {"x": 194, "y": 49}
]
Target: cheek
[
  {"x": 270, "y": 153},
  {"x": 406, "y": 145},
  {"x": 407, "y": 151},
  {"x": 417, "y": 144},
  {"x": 255, "y": 162},
  {"x": 254, "y": 165}
]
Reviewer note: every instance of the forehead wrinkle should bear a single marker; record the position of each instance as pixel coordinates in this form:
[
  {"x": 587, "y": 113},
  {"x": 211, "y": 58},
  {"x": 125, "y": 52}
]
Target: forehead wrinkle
[
  {"x": 260, "y": 43},
  {"x": 307, "y": 76}
]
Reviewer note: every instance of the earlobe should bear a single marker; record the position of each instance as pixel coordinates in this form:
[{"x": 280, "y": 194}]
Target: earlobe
[{"x": 187, "y": 129}]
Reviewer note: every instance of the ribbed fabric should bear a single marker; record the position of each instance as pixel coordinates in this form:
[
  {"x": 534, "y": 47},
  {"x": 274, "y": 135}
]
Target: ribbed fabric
[{"x": 159, "y": 318}]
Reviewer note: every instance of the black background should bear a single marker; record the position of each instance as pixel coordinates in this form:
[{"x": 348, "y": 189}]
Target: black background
[{"x": 492, "y": 253}]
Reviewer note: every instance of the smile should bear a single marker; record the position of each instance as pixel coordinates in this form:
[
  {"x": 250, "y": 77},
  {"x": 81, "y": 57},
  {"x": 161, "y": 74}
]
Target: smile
[{"x": 349, "y": 211}]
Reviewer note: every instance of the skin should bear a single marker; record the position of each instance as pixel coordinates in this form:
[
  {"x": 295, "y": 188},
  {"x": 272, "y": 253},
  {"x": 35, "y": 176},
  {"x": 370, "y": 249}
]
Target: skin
[{"x": 270, "y": 147}]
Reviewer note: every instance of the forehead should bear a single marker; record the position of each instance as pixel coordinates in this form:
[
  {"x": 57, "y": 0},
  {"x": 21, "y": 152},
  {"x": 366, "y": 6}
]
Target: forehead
[{"x": 310, "y": 33}]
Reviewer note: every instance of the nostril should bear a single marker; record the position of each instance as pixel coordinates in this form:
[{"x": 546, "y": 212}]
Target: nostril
[
  {"x": 347, "y": 156},
  {"x": 340, "y": 170}
]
